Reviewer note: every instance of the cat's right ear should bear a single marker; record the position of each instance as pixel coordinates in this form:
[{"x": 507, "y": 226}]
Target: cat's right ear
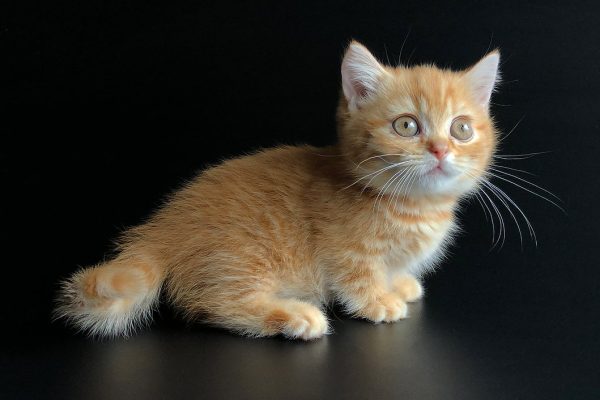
[
  {"x": 483, "y": 76},
  {"x": 361, "y": 74}
]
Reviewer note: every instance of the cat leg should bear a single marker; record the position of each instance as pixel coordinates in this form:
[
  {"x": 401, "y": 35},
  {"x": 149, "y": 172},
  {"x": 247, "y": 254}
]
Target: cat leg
[
  {"x": 267, "y": 315},
  {"x": 295, "y": 319},
  {"x": 361, "y": 288},
  {"x": 408, "y": 287},
  {"x": 243, "y": 298}
]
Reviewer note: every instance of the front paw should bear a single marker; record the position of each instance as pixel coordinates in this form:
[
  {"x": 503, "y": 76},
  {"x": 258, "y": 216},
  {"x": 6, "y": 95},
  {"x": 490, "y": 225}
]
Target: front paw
[
  {"x": 408, "y": 287},
  {"x": 389, "y": 307}
]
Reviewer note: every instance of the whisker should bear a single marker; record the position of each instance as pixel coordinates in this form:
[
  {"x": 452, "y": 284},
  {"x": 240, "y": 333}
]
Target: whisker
[
  {"x": 526, "y": 181},
  {"x": 412, "y": 180},
  {"x": 498, "y": 172},
  {"x": 503, "y": 178},
  {"x": 375, "y": 172},
  {"x": 530, "y": 191},
  {"x": 519, "y": 156},
  {"x": 502, "y": 227},
  {"x": 403, "y": 191},
  {"x": 494, "y": 240},
  {"x": 402, "y": 47},
  {"x": 514, "y": 169},
  {"x": 371, "y": 180},
  {"x": 400, "y": 177},
  {"x": 383, "y": 189},
  {"x": 489, "y": 44},
  {"x": 529, "y": 225},
  {"x": 395, "y": 192},
  {"x": 506, "y": 205},
  {"x": 386, "y": 54},
  {"x": 379, "y": 171},
  {"x": 381, "y": 156},
  {"x": 486, "y": 210},
  {"x": 410, "y": 56},
  {"x": 503, "y": 138}
]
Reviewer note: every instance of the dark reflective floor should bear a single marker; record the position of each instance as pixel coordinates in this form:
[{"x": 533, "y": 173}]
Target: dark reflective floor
[{"x": 471, "y": 338}]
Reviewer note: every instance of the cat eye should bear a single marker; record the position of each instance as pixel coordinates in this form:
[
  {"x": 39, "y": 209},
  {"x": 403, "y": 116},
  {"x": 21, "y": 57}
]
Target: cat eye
[
  {"x": 461, "y": 129},
  {"x": 406, "y": 126}
]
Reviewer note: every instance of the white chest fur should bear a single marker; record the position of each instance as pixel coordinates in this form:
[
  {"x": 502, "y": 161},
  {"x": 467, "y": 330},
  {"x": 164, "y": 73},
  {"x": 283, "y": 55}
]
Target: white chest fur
[{"x": 418, "y": 247}]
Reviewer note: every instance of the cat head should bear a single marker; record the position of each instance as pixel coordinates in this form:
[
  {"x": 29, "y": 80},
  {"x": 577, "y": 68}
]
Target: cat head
[{"x": 416, "y": 132}]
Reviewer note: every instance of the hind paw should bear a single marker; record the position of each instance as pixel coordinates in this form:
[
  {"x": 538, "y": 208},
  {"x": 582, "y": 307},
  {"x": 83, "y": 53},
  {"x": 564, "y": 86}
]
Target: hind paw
[{"x": 303, "y": 321}]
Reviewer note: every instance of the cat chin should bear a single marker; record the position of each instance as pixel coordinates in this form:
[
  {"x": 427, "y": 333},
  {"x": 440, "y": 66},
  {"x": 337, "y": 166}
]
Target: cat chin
[{"x": 441, "y": 183}]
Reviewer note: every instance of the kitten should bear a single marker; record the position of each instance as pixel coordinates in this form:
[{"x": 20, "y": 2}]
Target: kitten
[{"x": 260, "y": 244}]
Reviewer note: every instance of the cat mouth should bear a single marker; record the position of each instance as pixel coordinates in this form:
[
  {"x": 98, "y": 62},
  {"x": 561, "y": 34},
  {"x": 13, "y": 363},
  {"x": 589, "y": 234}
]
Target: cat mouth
[{"x": 438, "y": 170}]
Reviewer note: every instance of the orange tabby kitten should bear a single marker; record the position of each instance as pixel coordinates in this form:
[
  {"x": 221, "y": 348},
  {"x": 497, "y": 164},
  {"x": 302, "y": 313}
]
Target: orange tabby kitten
[{"x": 259, "y": 244}]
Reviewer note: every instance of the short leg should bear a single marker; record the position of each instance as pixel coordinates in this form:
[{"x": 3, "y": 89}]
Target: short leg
[
  {"x": 408, "y": 287},
  {"x": 296, "y": 320},
  {"x": 387, "y": 307},
  {"x": 267, "y": 315},
  {"x": 361, "y": 287}
]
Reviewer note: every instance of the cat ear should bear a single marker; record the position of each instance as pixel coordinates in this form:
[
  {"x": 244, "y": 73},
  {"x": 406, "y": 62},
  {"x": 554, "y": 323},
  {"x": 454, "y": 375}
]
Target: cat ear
[
  {"x": 361, "y": 73},
  {"x": 482, "y": 77}
]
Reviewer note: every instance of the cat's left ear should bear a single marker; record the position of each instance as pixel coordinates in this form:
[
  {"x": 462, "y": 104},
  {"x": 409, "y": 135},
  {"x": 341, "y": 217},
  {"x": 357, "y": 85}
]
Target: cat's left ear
[
  {"x": 361, "y": 75},
  {"x": 483, "y": 76}
]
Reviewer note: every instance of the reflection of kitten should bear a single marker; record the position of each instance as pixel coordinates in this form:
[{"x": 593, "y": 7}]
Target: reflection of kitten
[{"x": 259, "y": 244}]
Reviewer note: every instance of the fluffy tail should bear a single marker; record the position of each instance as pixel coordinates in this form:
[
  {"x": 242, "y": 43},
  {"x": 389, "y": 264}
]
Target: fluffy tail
[{"x": 111, "y": 299}]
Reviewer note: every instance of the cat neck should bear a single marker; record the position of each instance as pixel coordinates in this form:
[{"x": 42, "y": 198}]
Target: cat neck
[{"x": 416, "y": 205}]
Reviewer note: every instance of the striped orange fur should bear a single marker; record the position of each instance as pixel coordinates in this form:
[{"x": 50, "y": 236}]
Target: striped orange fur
[{"x": 262, "y": 243}]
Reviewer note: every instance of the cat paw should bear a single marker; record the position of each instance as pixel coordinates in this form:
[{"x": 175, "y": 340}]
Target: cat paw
[
  {"x": 388, "y": 308},
  {"x": 408, "y": 287},
  {"x": 306, "y": 324},
  {"x": 303, "y": 321}
]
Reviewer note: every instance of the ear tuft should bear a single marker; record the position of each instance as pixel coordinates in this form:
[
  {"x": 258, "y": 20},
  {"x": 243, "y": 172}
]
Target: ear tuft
[
  {"x": 361, "y": 73},
  {"x": 483, "y": 76}
]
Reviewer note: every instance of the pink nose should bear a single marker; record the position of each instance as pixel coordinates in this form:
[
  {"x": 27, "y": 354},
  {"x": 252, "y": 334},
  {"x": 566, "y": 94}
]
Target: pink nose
[{"x": 439, "y": 150}]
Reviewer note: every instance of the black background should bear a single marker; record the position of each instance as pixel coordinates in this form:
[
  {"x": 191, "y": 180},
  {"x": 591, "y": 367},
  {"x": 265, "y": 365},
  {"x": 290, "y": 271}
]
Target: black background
[{"x": 110, "y": 105}]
